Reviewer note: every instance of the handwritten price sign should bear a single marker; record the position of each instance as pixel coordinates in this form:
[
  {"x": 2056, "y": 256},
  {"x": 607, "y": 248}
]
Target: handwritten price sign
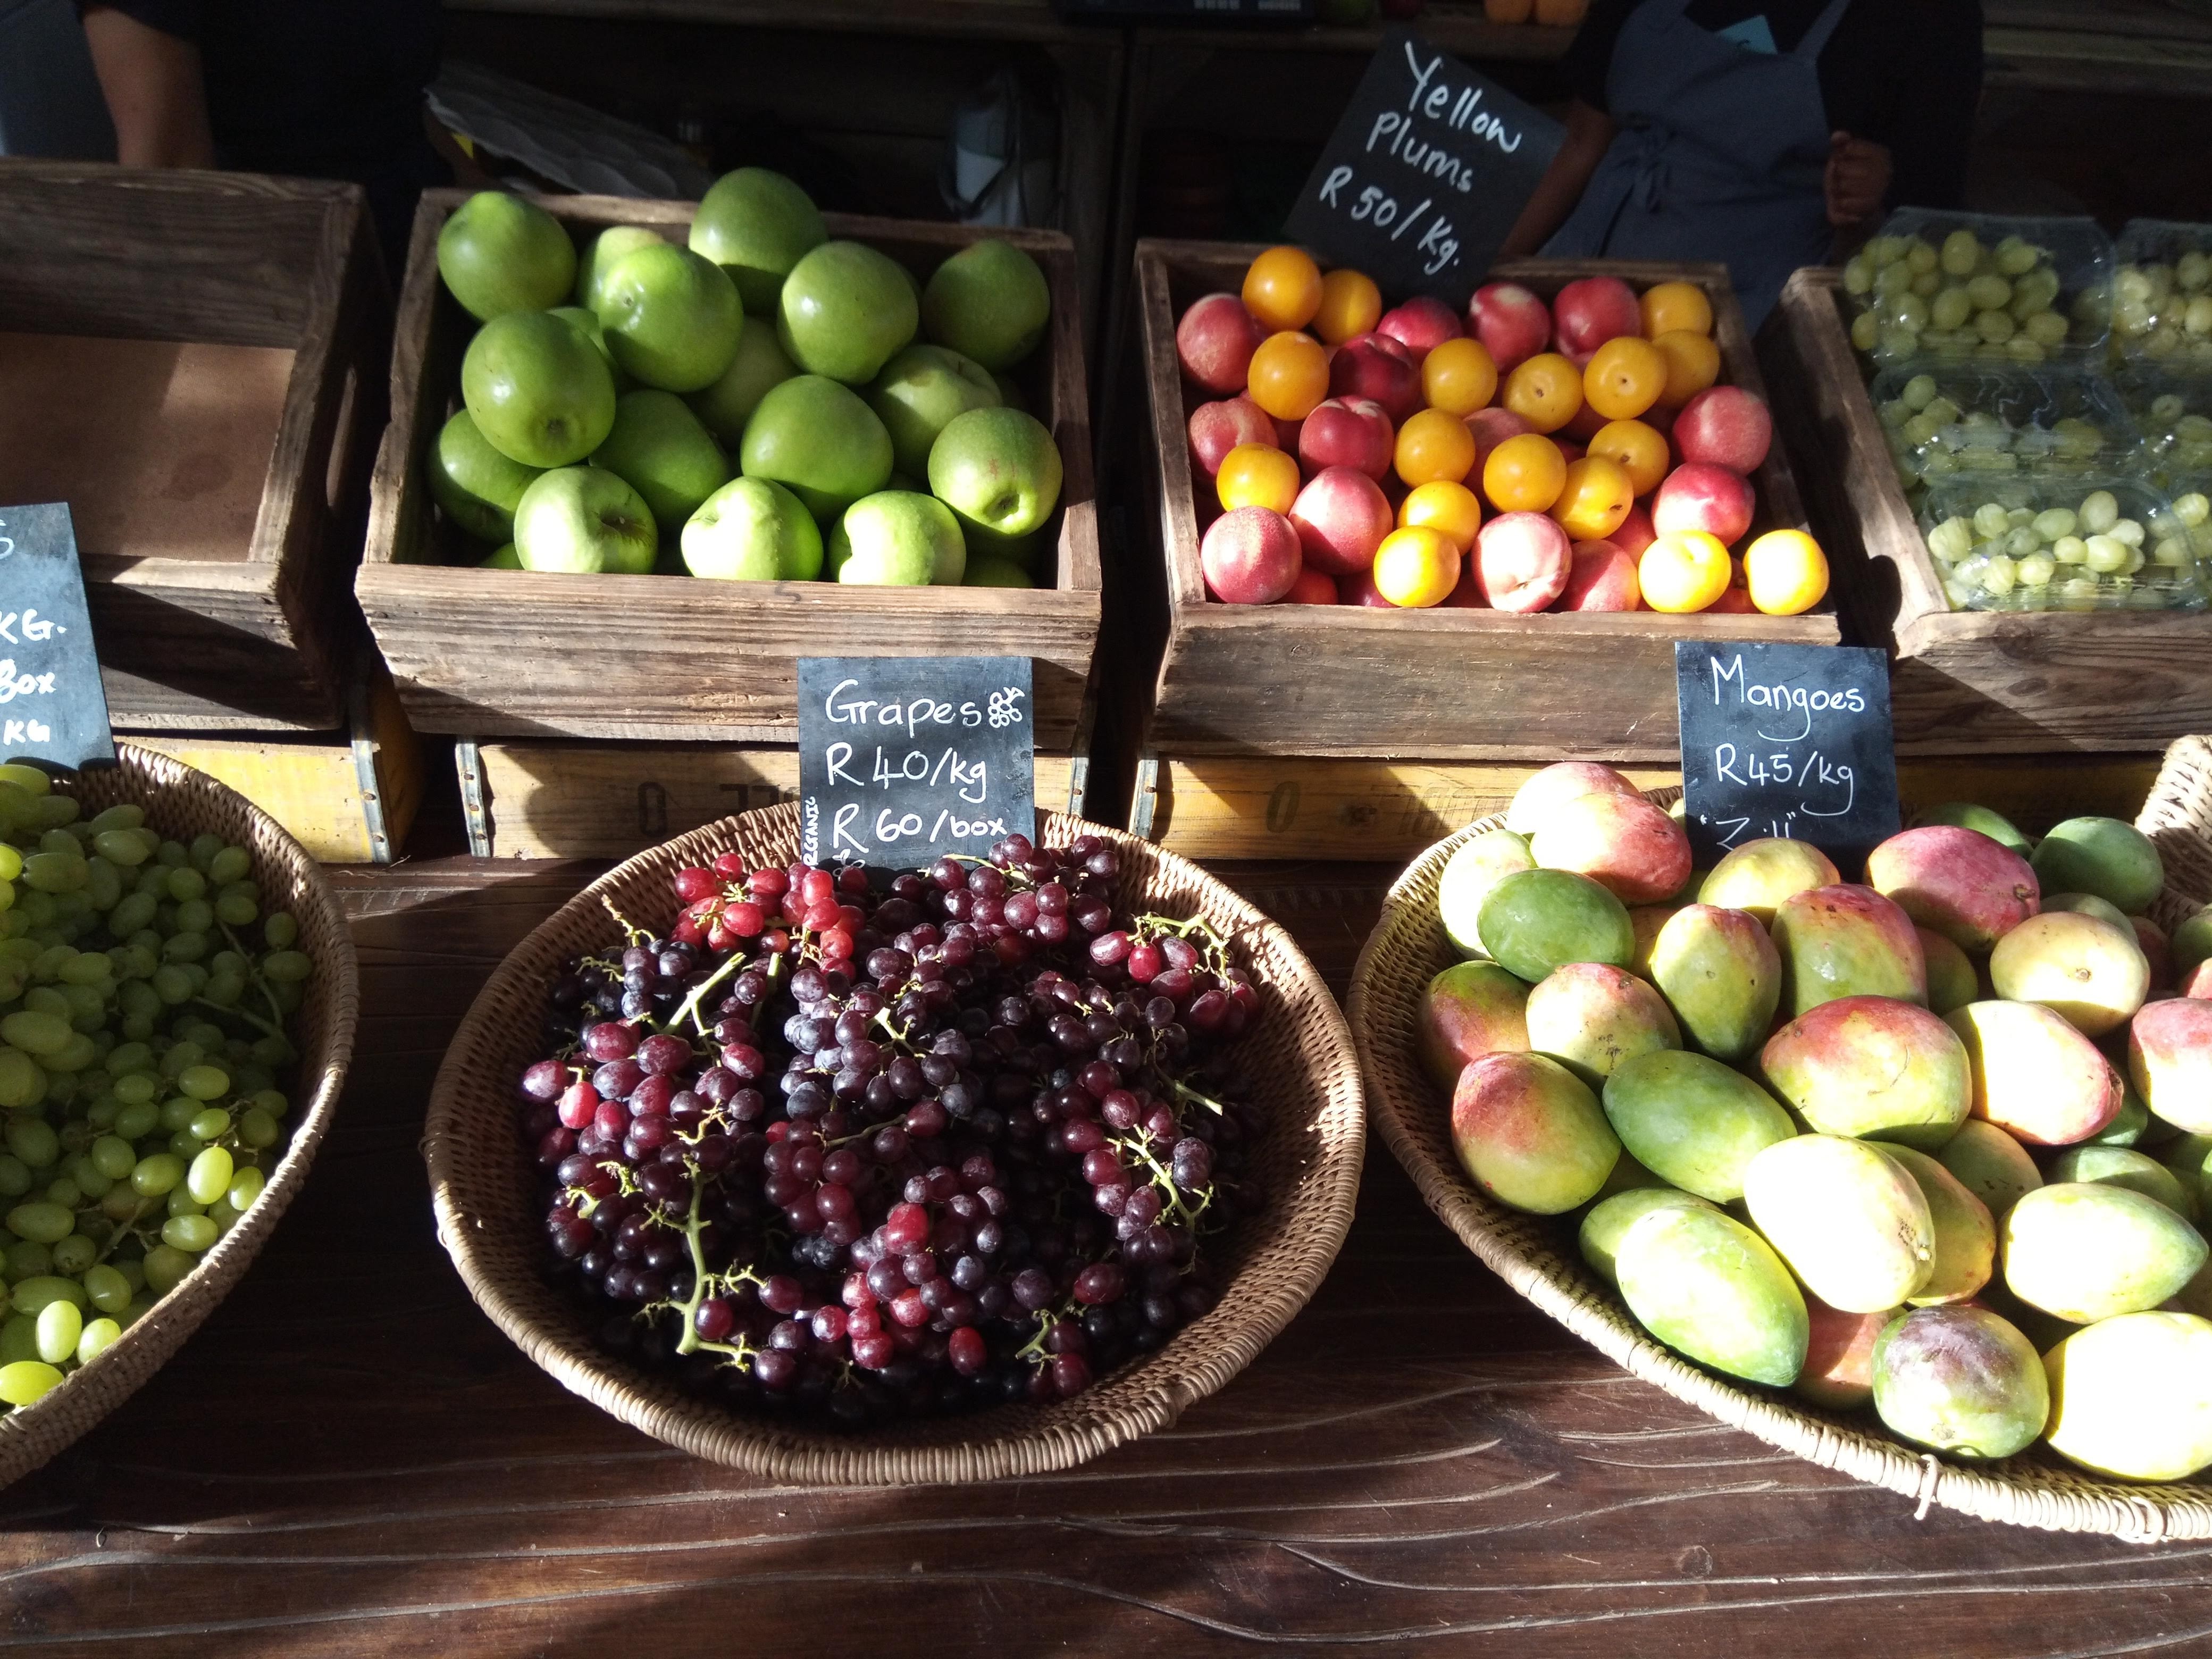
[{"x": 52, "y": 705}]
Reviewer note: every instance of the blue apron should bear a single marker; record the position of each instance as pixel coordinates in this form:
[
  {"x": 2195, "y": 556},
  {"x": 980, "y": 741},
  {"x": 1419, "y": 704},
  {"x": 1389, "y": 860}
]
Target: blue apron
[{"x": 1720, "y": 155}]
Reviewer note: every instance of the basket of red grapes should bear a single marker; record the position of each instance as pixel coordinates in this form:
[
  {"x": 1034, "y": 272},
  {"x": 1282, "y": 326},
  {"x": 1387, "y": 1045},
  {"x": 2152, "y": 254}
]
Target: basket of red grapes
[{"x": 973, "y": 1169}]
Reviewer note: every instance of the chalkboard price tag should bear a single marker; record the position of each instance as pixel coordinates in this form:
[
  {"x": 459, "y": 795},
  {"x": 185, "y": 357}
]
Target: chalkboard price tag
[
  {"x": 904, "y": 759},
  {"x": 52, "y": 706},
  {"x": 1429, "y": 167},
  {"x": 1786, "y": 740}
]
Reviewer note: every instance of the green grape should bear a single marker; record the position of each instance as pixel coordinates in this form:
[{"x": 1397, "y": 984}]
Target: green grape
[
  {"x": 33, "y": 1141},
  {"x": 94, "y": 969},
  {"x": 122, "y": 1204},
  {"x": 133, "y": 1269},
  {"x": 225, "y": 990},
  {"x": 236, "y": 910},
  {"x": 250, "y": 1077},
  {"x": 287, "y": 995},
  {"x": 131, "y": 1057},
  {"x": 131, "y": 913},
  {"x": 203, "y": 849},
  {"x": 101, "y": 1115},
  {"x": 99, "y": 1336},
  {"x": 273, "y": 1102},
  {"x": 19, "y": 1340},
  {"x": 282, "y": 931},
  {"x": 157, "y": 1175},
  {"x": 46, "y": 999},
  {"x": 14, "y": 1176},
  {"x": 223, "y": 1213},
  {"x": 66, "y": 1195},
  {"x": 184, "y": 947},
  {"x": 186, "y": 883},
  {"x": 88, "y": 1179},
  {"x": 59, "y": 1326},
  {"x": 11, "y": 862},
  {"x": 138, "y": 1087},
  {"x": 53, "y": 811},
  {"x": 230, "y": 865},
  {"x": 107, "y": 1288},
  {"x": 136, "y": 1027},
  {"x": 27, "y": 1382},
  {"x": 75, "y": 1055},
  {"x": 173, "y": 855},
  {"x": 56, "y": 873},
  {"x": 211, "y": 1124},
  {"x": 165, "y": 1266},
  {"x": 286, "y": 967},
  {"x": 120, "y": 848},
  {"x": 42, "y": 1222},
  {"x": 180, "y": 1055},
  {"x": 245, "y": 1186},
  {"x": 209, "y": 1179},
  {"x": 204, "y": 1082},
  {"x": 256, "y": 1128},
  {"x": 138, "y": 1119},
  {"x": 31, "y": 1293},
  {"x": 128, "y": 816},
  {"x": 60, "y": 841},
  {"x": 112, "y": 1156},
  {"x": 184, "y": 1145},
  {"x": 36, "y": 1032},
  {"x": 103, "y": 887},
  {"x": 192, "y": 1233},
  {"x": 75, "y": 1254},
  {"x": 195, "y": 916},
  {"x": 211, "y": 1039},
  {"x": 172, "y": 984},
  {"x": 180, "y": 1201}
]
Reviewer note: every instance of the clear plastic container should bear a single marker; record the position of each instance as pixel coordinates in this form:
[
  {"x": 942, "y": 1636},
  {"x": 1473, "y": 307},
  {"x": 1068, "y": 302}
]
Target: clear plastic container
[
  {"x": 2172, "y": 414},
  {"x": 2082, "y": 544},
  {"x": 2191, "y": 495},
  {"x": 1980, "y": 288},
  {"x": 1945, "y": 422},
  {"x": 2162, "y": 297}
]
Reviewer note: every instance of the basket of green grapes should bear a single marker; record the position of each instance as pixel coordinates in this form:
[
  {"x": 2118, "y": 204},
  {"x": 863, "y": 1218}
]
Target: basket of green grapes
[{"x": 176, "y": 1005}]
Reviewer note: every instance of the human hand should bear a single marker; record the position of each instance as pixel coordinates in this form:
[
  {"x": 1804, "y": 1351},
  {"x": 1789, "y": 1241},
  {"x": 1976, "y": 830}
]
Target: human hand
[{"x": 1856, "y": 179}]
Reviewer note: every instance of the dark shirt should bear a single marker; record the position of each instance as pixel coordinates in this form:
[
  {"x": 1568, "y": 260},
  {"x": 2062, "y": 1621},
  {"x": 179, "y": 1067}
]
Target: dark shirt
[{"x": 1907, "y": 74}]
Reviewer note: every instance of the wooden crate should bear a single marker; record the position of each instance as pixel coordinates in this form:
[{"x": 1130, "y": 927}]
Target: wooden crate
[
  {"x": 1439, "y": 684},
  {"x": 1207, "y": 806},
  {"x": 217, "y": 488},
  {"x": 517, "y": 653},
  {"x": 1963, "y": 682}
]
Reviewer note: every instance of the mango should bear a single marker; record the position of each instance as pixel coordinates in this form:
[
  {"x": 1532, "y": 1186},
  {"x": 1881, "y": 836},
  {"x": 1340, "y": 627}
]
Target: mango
[
  {"x": 1840, "y": 1356},
  {"x": 1991, "y": 1164},
  {"x": 1592, "y": 1018},
  {"x": 2188, "y": 1158},
  {"x": 1692, "y": 1122},
  {"x": 1469, "y": 874},
  {"x": 1846, "y": 941},
  {"x": 1966, "y": 1232},
  {"x": 2195, "y": 1297},
  {"x": 2086, "y": 1252},
  {"x": 1872, "y": 1066},
  {"x": 2085, "y": 904},
  {"x": 2034, "y": 1074},
  {"x": 1628, "y": 1175},
  {"x": 1959, "y": 1380},
  {"x": 1955, "y": 882},
  {"x": 2157, "y": 950},
  {"x": 1529, "y": 1132},
  {"x": 2191, "y": 941},
  {"x": 2093, "y": 975},
  {"x": 1760, "y": 875},
  {"x": 2117, "y": 1166},
  {"x": 1952, "y": 980},
  {"x": 1610, "y": 1219},
  {"x": 2170, "y": 1060},
  {"x": 1623, "y": 842},
  {"x": 1469, "y": 1009},
  {"x": 1709, "y": 1287},
  {"x": 2197, "y": 982},
  {"x": 2128, "y": 1128},
  {"x": 1967, "y": 815},
  {"x": 1646, "y": 920},
  {"x": 1719, "y": 969},
  {"x": 1847, "y": 1217},
  {"x": 1534, "y": 921},
  {"x": 2132, "y": 1396},
  {"x": 1565, "y": 780},
  {"x": 2114, "y": 860}
]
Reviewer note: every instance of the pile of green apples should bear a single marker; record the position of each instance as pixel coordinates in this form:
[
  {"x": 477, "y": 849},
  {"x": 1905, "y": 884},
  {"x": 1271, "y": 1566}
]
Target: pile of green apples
[{"x": 762, "y": 405}]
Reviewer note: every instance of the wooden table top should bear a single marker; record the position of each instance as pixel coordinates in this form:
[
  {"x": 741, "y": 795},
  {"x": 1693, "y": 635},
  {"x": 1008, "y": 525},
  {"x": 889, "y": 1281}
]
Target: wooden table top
[{"x": 349, "y": 1458}]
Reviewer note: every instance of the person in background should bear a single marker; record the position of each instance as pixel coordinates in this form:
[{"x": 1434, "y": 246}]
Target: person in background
[
  {"x": 1758, "y": 132},
  {"x": 312, "y": 89}
]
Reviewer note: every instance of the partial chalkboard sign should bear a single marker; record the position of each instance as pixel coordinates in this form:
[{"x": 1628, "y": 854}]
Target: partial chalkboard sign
[
  {"x": 52, "y": 706},
  {"x": 1787, "y": 740},
  {"x": 1428, "y": 168},
  {"x": 904, "y": 759}
]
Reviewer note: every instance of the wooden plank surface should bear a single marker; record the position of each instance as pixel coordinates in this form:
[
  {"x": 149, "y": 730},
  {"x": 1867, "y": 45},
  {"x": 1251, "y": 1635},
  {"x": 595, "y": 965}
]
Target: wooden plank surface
[{"x": 349, "y": 1459}]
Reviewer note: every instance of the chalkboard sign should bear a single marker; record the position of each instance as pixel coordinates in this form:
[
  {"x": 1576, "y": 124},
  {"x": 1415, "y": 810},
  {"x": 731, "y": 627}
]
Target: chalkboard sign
[
  {"x": 1428, "y": 168},
  {"x": 903, "y": 759},
  {"x": 52, "y": 706},
  {"x": 1789, "y": 740}
]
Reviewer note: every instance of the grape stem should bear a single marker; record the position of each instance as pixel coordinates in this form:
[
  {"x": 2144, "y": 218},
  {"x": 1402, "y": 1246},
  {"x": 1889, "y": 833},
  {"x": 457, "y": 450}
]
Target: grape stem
[
  {"x": 690, "y": 1007},
  {"x": 1189, "y": 1093}
]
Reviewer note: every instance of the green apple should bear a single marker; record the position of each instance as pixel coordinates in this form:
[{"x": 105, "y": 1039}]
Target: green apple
[
  {"x": 587, "y": 325},
  {"x": 988, "y": 571},
  {"x": 503, "y": 558},
  {"x": 752, "y": 529},
  {"x": 598, "y": 257},
  {"x": 844, "y": 309},
  {"x": 998, "y": 469},
  {"x": 659, "y": 449},
  {"x": 1009, "y": 395},
  {"x": 672, "y": 318},
  {"x": 499, "y": 253},
  {"x": 728, "y": 404},
  {"x": 584, "y": 521},
  {"x": 922, "y": 388},
  {"x": 988, "y": 301},
  {"x": 540, "y": 392},
  {"x": 476, "y": 486},
  {"x": 894, "y": 539},
  {"x": 756, "y": 225},
  {"x": 817, "y": 438}
]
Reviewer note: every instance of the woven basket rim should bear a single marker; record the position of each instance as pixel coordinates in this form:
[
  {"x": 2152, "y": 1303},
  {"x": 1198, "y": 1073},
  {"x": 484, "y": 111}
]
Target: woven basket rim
[
  {"x": 2059, "y": 1498},
  {"x": 1001, "y": 1441},
  {"x": 32, "y": 1434}
]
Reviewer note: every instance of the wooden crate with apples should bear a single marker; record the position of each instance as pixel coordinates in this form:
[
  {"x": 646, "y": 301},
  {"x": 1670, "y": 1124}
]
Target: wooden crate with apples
[
  {"x": 486, "y": 653},
  {"x": 1962, "y": 682},
  {"x": 194, "y": 361},
  {"x": 1439, "y": 684}
]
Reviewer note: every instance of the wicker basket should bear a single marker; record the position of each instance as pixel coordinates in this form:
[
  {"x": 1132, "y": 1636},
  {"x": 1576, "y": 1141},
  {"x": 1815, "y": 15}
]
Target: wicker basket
[
  {"x": 183, "y": 803},
  {"x": 1303, "y": 1073},
  {"x": 1538, "y": 1257}
]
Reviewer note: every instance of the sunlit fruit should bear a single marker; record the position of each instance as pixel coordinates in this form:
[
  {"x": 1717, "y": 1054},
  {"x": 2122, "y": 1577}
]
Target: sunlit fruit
[
  {"x": 1623, "y": 377},
  {"x": 1289, "y": 375},
  {"x": 1416, "y": 567},
  {"x": 1668, "y": 306},
  {"x": 1449, "y": 509},
  {"x": 1684, "y": 572},
  {"x": 1594, "y": 496},
  {"x": 1459, "y": 376},
  {"x": 1693, "y": 363},
  {"x": 1283, "y": 289},
  {"x": 1524, "y": 474},
  {"x": 1640, "y": 451},
  {"x": 1546, "y": 391},
  {"x": 1349, "y": 305},
  {"x": 1786, "y": 572},
  {"x": 1433, "y": 446},
  {"x": 1257, "y": 475}
]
